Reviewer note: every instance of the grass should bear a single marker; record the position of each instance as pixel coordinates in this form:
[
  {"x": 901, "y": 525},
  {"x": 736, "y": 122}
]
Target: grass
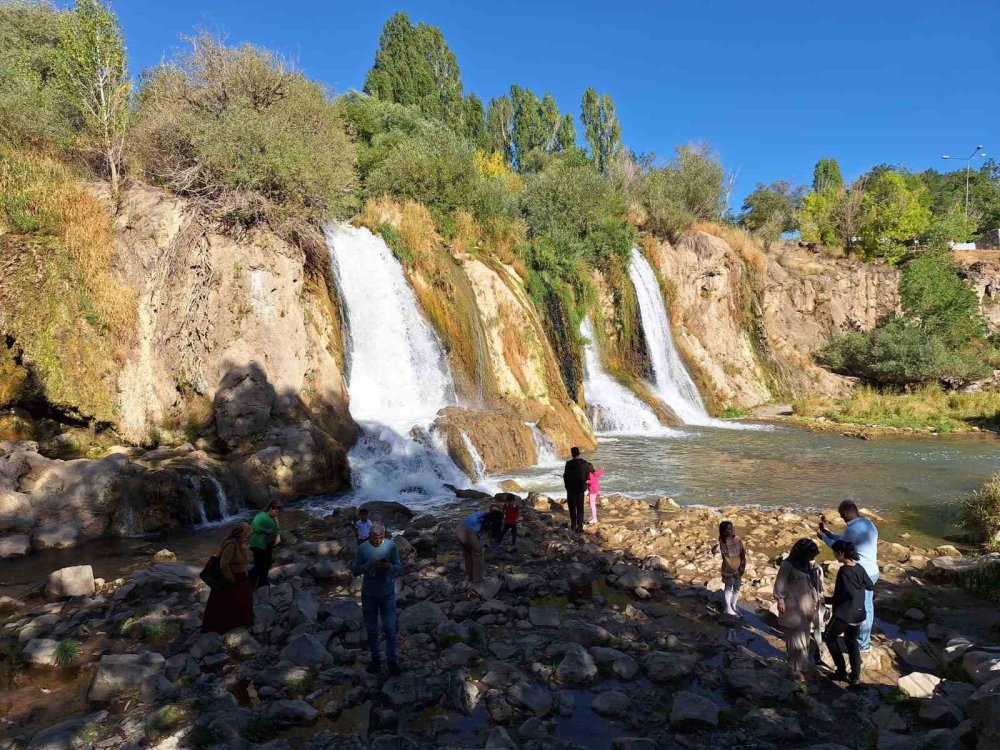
[
  {"x": 734, "y": 412},
  {"x": 981, "y": 514},
  {"x": 737, "y": 238},
  {"x": 67, "y": 652},
  {"x": 167, "y": 719},
  {"x": 929, "y": 408},
  {"x": 258, "y": 730}
]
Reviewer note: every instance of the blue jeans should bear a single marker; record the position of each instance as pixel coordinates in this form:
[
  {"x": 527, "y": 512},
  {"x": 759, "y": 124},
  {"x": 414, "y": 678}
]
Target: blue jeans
[
  {"x": 371, "y": 608},
  {"x": 865, "y": 631}
]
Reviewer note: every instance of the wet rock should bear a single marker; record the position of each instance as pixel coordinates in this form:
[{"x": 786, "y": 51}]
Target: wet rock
[
  {"x": 66, "y": 735},
  {"x": 304, "y": 650},
  {"x": 577, "y": 667},
  {"x": 611, "y": 703},
  {"x": 498, "y": 739},
  {"x": 533, "y": 729},
  {"x": 76, "y": 580},
  {"x": 982, "y": 665},
  {"x": 693, "y": 711},
  {"x": 759, "y": 684},
  {"x": 290, "y": 713},
  {"x": 14, "y": 546},
  {"x": 422, "y": 617},
  {"x": 914, "y": 654},
  {"x": 918, "y": 684},
  {"x": 120, "y": 673},
  {"x": 531, "y": 697},
  {"x": 770, "y": 724},
  {"x": 392, "y": 514},
  {"x": 543, "y": 617},
  {"x": 9, "y": 604},
  {"x": 41, "y": 651},
  {"x": 587, "y": 634},
  {"x": 664, "y": 666},
  {"x": 459, "y": 655}
]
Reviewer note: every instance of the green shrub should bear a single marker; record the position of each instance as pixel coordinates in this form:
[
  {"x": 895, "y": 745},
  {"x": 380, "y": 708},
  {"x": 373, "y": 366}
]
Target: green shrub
[
  {"x": 236, "y": 127},
  {"x": 67, "y": 652},
  {"x": 931, "y": 291},
  {"x": 680, "y": 193},
  {"x": 981, "y": 513},
  {"x": 733, "y": 412}
]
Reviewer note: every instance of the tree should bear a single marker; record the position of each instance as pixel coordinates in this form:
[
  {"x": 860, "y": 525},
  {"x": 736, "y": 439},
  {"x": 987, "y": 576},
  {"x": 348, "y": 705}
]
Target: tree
[
  {"x": 414, "y": 65},
  {"x": 500, "y": 127},
  {"x": 891, "y": 214},
  {"x": 601, "y": 127},
  {"x": 91, "y": 67},
  {"x": 817, "y": 219},
  {"x": 771, "y": 210},
  {"x": 566, "y": 134},
  {"x": 529, "y": 123},
  {"x": 932, "y": 294},
  {"x": 827, "y": 176},
  {"x": 475, "y": 122},
  {"x": 687, "y": 189}
]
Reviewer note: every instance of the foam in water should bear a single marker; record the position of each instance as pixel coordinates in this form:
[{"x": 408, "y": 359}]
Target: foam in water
[
  {"x": 478, "y": 465},
  {"x": 397, "y": 375},
  {"x": 614, "y": 409},
  {"x": 545, "y": 449},
  {"x": 673, "y": 383}
]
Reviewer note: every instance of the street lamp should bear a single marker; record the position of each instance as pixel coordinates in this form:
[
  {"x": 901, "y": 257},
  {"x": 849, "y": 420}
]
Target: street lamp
[{"x": 968, "y": 163}]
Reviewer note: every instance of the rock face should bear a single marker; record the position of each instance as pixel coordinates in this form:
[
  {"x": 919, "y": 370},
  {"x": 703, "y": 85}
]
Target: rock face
[{"x": 501, "y": 440}]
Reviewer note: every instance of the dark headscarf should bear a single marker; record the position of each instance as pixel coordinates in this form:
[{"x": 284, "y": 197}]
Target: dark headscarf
[{"x": 803, "y": 552}]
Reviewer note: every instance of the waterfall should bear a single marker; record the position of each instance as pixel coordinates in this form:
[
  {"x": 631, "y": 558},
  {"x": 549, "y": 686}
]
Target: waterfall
[
  {"x": 397, "y": 375},
  {"x": 545, "y": 449},
  {"x": 614, "y": 409},
  {"x": 478, "y": 465},
  {"x": 673, "y": 383}
]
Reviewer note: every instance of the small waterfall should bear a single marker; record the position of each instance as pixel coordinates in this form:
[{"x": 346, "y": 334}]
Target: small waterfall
[
  {"x": 224, "y": 513},
  {"x": 614, "y": 409},
  {"x": 673, "y": 382},
  {"x": 478, "y": 465},
  {"x": 397, "y": 375},
  {"x": 545, "y": 449}
]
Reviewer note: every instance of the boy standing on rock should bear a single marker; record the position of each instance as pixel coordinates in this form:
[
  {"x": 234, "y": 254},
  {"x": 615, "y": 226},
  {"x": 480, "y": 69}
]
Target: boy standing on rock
[{"x": 378, "y": 561}]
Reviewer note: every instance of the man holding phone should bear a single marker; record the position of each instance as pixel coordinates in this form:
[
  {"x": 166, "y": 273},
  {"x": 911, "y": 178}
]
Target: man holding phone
[
  {"x": 378, "y": 561},
  {"x": 864, "y": 534}
]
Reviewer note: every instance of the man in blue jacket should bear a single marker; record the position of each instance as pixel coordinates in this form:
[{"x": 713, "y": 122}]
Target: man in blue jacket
[
  {"x": 864, "y": 534},
  {"x": 378, "y": 561}
]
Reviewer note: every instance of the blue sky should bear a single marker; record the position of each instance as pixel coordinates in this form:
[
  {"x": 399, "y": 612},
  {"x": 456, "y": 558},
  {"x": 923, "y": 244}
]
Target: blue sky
[{"x": 773, "y": 86}]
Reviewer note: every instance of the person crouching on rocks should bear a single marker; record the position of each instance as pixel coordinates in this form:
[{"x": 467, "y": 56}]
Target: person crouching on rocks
[
  {"x": 470, "y": 534},
  {"x": 593, "y": 490},
  {"x": 231, "y": 606},
  {"x": 378, "y": 561},
  {"x": 849, "y": 611},
  {"x": 798, "y": 590},
  {"x": 734, "y": 564}
]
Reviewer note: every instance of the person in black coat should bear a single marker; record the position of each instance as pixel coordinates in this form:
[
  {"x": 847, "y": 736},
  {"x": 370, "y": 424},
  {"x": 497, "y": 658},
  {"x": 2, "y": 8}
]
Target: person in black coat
[
  {"x": 849, "y": 611},
  {"x": 575, "y": 479}
]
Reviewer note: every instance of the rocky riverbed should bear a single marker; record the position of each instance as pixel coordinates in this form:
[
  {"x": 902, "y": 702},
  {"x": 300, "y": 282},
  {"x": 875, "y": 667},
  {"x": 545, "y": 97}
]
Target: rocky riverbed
[{"x": 612, "y": 639}]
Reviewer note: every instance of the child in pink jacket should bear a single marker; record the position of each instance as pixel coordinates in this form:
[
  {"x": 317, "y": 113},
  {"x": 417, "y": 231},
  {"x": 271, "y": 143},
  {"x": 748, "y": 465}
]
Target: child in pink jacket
[{"x": 593, "y": 490}]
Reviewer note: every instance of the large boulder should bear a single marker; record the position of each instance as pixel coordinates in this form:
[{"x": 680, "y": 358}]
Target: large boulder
[
  {"x": 121, "y": 673},
  {"x": 393, "y": 514},
  {"x": 759, "y": 685},
  {"x": 41, "y": 651},
  {"x": 577, "y": 666},
  {"x": 984, "y": 712},
  {"x": 290, "y": 713},
  {"x": 490, "y": 441},
  {"x": 918, "y": 684},
  {"x": 666, "y": 666},
  {"x": 422, "y": 617},
  {"x": 76, "y": 580},
  {"x": 304, "y": 650},
  {"x": 66, "y": 735},
  {"x": 693, "y": 711}
]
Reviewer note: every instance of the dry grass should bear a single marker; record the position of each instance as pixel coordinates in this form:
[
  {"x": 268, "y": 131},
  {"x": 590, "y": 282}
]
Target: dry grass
[
  {"x": 468, "y": 233},
  {"x": 737, "y": 238}
]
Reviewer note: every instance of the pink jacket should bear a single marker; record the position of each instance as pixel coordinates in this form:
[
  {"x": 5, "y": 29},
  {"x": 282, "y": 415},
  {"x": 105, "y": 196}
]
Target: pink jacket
[{"x": 594, "y": 481}]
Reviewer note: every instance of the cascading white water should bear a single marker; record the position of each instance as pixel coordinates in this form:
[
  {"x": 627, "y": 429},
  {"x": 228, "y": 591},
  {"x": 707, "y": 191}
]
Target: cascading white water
[
  {"x": 478, "y": 465},
  {"x": 614, "y": 409},
  {"x": 397, "y": 375},
  {"x": 545, "y": 449},
  {"x": 673, "y": 383}
]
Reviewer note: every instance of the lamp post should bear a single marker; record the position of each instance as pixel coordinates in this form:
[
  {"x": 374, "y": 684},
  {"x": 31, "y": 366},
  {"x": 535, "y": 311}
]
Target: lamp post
[{"x": 968, "y": 163}]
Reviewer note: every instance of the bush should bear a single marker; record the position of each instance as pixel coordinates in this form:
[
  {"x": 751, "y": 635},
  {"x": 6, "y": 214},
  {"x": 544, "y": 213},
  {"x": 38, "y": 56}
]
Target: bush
[
  {"x": 981, "y": 514},
  {"x": 931, "y": 291},
  {"x": 682, "y": 192},
  {"x": 899, "y": 352},
  {"x": 236, "y": 127},
  {"x": 33, "y": 110},
  {"x": 67, "y": 652}
]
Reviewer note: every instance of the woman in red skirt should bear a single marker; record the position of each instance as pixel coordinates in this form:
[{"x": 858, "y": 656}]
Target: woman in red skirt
[{"x": 231, "y": 606}]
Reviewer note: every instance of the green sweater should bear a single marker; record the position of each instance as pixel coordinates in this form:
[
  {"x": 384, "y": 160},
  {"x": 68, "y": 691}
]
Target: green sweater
[{"x": 265, "y": 530}]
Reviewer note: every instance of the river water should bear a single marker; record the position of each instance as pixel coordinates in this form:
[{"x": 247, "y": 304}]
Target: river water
[{"x": 918, "y": 480}]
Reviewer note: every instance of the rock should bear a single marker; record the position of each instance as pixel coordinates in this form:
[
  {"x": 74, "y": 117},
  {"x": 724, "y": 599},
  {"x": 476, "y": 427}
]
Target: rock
[
  {"x": 664, "y": 666},
  {"x": 577, "y": 667},
  {"x": 335, "y": 570},
  {"x": 914, "y": 654},
  {"x": 955, "y": 649},
  {"x": 10, "y": 604},
  {"x": 389, "y": 512},
  {"x": 692, "y": 711},
  {"x": 290, "y": 713},
  {"x": 155, "y": 688},
  {"x": 56, "y": 536},
  {"x": 918, "y": 684},
  {"x": 611, "y": 703},
  {"x": 66, "y": 735},
  {"x": 120, "y": 673},
  {"x": 76, "y": 580},
  {"x": 984, "y": 712},
  {"x": 635, "y": 578},
  {"x": 461, "y": 691},
  {"x": 915, "y": 614},
  {"x": 422, "y": 617},
  {"x": 487, "y": 588},
  {"x": 207, "y": 643},
  {"x": 632, "y": 743},
  {"x": 457, "y": 656},
  {"x": 533, "y": 728},
  {"x": 165, "y": 555},
  {"x": 587, "y": 634},
  {"x": 982, "y": 665},
  {"x": 242, "y": 405},
  {"x": 938, "y": 711},
  {"x": 665, "y": 504},
  {"x": 304, "y": 608},
  {"x": 531, "y": 697},
  {"x": 543, "y": 617},
  {"x": 41, "y": 651},
  {"x": 304, "y": 650},
  {"x": 241, "y": 643},
  {"x": 410, "y": 689},
  {"x": 759, "y": 684},
  {"x": 769, "y": 724},
  {"x": 14, "y": 546},
  {"x": 498, "y": 739}
]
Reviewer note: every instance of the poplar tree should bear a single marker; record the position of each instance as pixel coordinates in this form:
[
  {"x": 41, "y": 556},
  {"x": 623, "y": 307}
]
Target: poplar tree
[
  {"x": 500, "y": 127},
  {"x": 827, "y": 176},
  {"x": 601, "y": 127}
]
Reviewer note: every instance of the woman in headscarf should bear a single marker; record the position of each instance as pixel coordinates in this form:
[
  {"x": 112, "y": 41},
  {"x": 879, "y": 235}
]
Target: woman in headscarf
[
  {"x": 231, "y": 605},
  {"x": 798, "y": 590}
]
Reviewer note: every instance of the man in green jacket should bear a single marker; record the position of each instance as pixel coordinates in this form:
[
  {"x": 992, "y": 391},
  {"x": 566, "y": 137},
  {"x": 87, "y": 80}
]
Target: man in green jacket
[{"x": 265, "y": 536}]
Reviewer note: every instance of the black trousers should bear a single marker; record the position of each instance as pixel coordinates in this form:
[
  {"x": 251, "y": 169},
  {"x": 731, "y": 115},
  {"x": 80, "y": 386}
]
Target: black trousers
[
  {"x": 834, "y": 630},
  {"x": 574, "y": 501},
  {"x": 513, "y": 534},
  {"x": 261, "y": 568}
]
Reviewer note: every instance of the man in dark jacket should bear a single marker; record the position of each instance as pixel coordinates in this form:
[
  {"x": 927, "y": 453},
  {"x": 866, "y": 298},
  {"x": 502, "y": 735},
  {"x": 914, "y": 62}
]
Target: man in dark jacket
[{"x": 575, "y": 478}]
